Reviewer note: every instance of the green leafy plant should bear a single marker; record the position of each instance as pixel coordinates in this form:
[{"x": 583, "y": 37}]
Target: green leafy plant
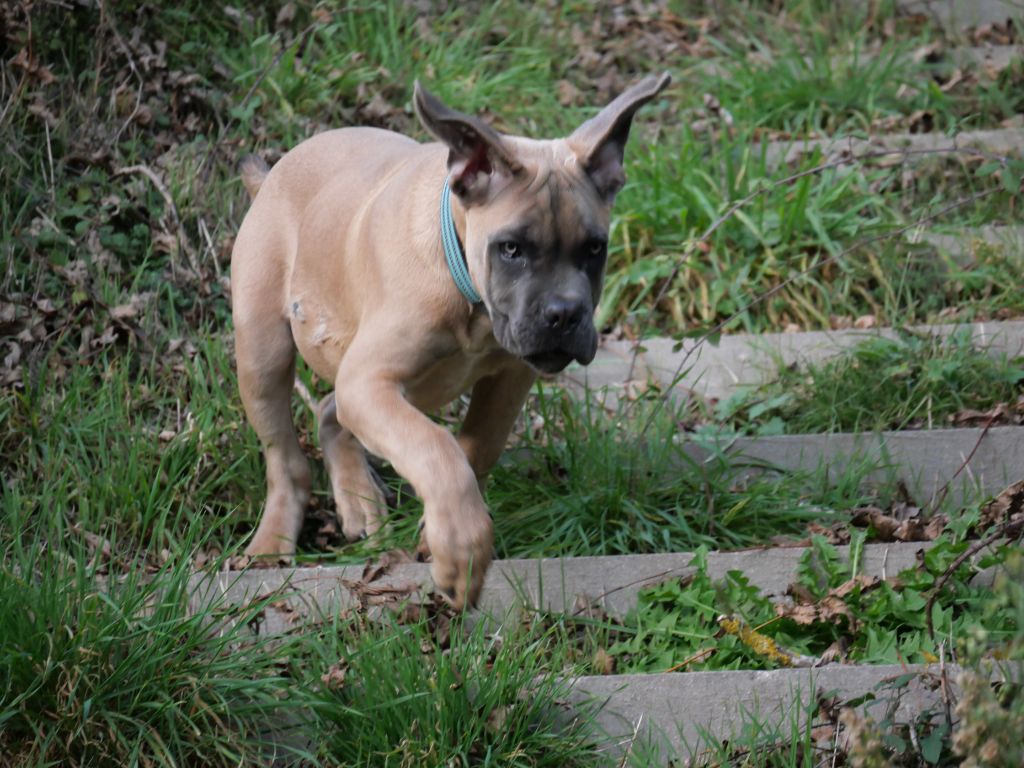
[{"x": 679, "y": 624}]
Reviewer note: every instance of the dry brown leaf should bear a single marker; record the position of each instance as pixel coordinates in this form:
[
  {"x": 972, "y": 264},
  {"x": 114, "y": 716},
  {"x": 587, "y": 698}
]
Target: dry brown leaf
[
  {"x": 1008, "y": 505},
  {"x": 837, "y": 533},
  {"x": 834, "y": 653},
  {"x": 801, "y": 614},
  {"x": 108, "y": 337},
  {"x": 132, "y": 308},
  {"x": 334, "y": 677},
  {"x": 832, "y": 608},
  {"x": 497, "y": 718},
  {"x": 568, "y": 94},
  {"x": 861, "y": 581},
  {"x": 381, "y": 594},
  {"x": 384, "y": 564},
  {"x": 800, "y": 594},
  {"x": 603, "y": 662},
  {"x": 864, "y": 322},
  {"x": 884, "y": 525}
]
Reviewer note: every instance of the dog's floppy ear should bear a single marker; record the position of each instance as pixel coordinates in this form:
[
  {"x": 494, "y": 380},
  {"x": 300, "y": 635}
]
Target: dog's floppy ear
[
  {"x": 477, "y": 151},
  {"x": 600, "y": 143}
]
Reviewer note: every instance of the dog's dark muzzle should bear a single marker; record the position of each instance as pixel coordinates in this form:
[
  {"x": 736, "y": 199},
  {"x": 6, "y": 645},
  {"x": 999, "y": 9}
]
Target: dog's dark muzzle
[
  {"x": 566, "y": 333},
  {"x": 549, "y": 335},
  {"x": 549, "y": 362}
]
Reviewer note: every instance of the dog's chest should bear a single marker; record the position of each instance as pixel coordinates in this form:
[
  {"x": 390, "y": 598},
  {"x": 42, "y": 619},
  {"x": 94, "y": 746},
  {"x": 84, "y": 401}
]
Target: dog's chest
[{"x": 456, "y": 368}]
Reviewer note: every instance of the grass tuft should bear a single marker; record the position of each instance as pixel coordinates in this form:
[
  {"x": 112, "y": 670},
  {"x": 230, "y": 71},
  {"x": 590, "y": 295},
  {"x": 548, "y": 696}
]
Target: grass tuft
[{"x": 910, "y": 381}]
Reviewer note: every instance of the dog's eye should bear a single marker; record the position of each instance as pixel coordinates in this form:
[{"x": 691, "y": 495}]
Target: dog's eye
[
  {"x": 597, "y": 247},
  {"x": 509, "y": 249}
]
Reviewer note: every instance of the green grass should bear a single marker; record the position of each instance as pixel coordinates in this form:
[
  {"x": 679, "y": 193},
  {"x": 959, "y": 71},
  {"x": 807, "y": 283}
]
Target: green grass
[
  {"x": 590, "y": 486},
  {"x": 582, "y": 482},
  {"x": 111, "y": 671},
  {"x": 757, "y": 740},
  {"x": 93, "y": 455},
  {"x": 122, "y": 675},
  {"x": 486, "y": 700},
  {"x": 786, "y": 87},
  {"x": 910, "y": 381},
  {"x": 271, "y": 93}
]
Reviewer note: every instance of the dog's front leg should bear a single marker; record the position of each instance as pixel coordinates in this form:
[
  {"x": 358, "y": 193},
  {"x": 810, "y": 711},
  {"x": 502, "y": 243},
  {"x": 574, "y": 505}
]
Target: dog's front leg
[
  {"x": 493, "y": 407},
  {"x": 458, "y": 529}
]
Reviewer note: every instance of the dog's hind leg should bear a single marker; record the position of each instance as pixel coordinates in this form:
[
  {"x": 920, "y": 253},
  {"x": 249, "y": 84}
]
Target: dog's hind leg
[
  {"x": 357, "y": 497},
  {"x": 265, "y": 354},
  {"x": 266, "y": 366}
]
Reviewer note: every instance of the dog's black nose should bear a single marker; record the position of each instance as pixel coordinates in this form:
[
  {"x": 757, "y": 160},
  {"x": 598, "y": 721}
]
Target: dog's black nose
[{"x": 562, "y": 314}]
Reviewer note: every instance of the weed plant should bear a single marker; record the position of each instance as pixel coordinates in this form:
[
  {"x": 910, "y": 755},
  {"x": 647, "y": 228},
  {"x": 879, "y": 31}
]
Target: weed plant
[{"x": 679, "y": 622}]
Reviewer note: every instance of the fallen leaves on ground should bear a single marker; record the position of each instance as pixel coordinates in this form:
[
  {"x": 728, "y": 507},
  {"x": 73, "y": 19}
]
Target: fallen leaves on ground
[
  {"x": 902, "y": 521},
  {"x": 1005, "y": 508},
  {"x": 829, "y": 609}
]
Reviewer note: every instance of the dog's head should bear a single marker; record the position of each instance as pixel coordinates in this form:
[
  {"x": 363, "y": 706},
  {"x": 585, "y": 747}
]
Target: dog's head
[{"x": 536, "y": 221}]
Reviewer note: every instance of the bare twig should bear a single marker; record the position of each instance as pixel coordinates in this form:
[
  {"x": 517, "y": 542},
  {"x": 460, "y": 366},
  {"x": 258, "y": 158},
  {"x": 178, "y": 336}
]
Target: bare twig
[
  {"x": 1008, "y": 529},
  {"x": 947, "y": 690},
  {"x": 642, "y": 580},
  {"x": 205, "y": 232},
  {"x": 698, "y": 656},
  {"x": 186, "y": 244},
  {"x": 305, "y": 396},
  {"x": 940, "y": 497},
  {"x": 789, "y": 281},
  {"x": 632, "y": 740},
  {"x": 49, "y": 157}
]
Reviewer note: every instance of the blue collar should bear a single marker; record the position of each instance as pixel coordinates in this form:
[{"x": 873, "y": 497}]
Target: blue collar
[{"x": 452, "y": 252}]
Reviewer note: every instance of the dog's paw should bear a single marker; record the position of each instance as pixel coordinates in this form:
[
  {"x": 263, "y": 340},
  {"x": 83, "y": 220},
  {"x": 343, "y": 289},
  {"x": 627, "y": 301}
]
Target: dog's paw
[
  {"x": 269, "y": 548},
  {"x": 361, "y": 512},
  {"x": 461, "y": 548}
]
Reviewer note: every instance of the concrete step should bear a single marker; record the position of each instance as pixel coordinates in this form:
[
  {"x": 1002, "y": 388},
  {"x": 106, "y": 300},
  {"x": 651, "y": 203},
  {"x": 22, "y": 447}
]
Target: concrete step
[
  {"x": 986, "y": 61},
  {"x": 1002, "y": 142},
  {"x": 955, "y": 15},
  {"x": 665, "y": 714},
  {"x": 742, "y": 360},
  {"x": 973, "y": 462},
  {"x": 966, "y": 245},
  {"x": 549, "y": 584},
  {"x": 658, "y": 713}
]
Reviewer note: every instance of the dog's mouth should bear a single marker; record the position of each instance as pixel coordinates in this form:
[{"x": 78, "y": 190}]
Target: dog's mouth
[{"x": 550, "y": 361}]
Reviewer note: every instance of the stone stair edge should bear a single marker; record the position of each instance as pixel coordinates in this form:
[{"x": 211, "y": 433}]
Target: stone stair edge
[
  {"x": 670, "y": 709},
  {"x": 956, "y": 14},
  {"x": 716, "y": 370},
  {"x": 562, "y": 585},
  {"x": 982, "y": 332},
  {"x": 996, "y": 57},
  {"x": 1000, "y": 141}
]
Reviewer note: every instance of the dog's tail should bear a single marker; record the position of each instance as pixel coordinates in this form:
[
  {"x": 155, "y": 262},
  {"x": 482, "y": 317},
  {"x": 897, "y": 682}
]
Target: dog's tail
[{"x": 253, "y": 170}]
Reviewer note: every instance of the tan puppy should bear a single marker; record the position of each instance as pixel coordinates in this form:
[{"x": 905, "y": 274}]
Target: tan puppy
[{"x": 341, "y": 257}]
